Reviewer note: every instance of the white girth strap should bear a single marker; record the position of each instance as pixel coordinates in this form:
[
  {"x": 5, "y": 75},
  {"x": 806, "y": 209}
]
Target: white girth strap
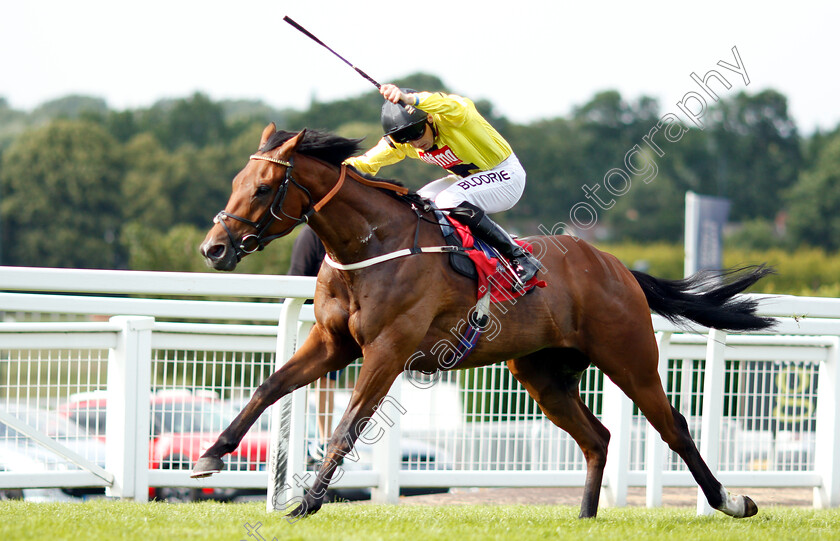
[{"x": 387, "y": 257}]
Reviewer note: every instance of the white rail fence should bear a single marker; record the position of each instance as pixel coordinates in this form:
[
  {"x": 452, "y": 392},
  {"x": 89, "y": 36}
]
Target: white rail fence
[{"x": 121, "y": 345}]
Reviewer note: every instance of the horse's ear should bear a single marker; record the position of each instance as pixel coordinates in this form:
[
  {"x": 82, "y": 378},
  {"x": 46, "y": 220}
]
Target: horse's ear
[
  {"x": 267, "y": 132},
  {"x": 291, "y": 145},
  {"x": 296, "y": 140}
]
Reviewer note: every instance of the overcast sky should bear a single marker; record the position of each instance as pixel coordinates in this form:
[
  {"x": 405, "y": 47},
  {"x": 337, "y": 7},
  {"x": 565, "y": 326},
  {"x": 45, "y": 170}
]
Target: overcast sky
[{"x": 535, "y": 60}]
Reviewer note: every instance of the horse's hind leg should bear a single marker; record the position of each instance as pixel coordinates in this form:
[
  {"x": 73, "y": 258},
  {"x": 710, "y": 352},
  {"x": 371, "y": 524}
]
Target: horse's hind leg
[
  {"x": 552, "y": 378},
  {"x": 642, "y": 384}
]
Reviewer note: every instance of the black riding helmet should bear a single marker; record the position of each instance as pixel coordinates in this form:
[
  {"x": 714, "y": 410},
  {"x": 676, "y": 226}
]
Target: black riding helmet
[{"x": 401, "y": 125}]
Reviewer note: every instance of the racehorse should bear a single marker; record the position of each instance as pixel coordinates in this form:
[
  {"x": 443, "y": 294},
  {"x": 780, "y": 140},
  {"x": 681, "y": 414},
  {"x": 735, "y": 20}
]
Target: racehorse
[{"x": 592, "y": 311}]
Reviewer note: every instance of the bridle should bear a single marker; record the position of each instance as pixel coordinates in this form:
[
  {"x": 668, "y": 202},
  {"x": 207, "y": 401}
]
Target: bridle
[{"x": 259, "y": 239}]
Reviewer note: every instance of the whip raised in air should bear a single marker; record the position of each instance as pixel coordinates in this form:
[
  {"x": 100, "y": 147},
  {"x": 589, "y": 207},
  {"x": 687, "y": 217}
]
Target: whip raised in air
[{"x": 327, "y": 47}]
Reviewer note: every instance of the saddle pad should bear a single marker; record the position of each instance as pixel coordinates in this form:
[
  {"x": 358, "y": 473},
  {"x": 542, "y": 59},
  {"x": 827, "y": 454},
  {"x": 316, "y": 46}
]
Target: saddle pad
[{"x": 488, "y": 270}]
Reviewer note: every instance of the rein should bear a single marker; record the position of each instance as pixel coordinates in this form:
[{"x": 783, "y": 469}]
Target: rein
[{"x": 257, "y": 241}]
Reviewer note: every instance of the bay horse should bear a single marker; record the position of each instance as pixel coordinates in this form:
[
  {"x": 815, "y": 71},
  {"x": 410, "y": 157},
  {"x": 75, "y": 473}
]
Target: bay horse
[{"x": 592, "y": 311}]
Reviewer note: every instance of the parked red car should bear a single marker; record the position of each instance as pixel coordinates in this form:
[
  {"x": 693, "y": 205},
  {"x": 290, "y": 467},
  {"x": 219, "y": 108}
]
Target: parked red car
[{"x": 183, "y": 425}]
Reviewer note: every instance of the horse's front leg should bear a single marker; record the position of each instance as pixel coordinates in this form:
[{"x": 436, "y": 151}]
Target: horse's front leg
[
  {"x": 320, "y": 353},
  {"x": 376, "y": 376}
]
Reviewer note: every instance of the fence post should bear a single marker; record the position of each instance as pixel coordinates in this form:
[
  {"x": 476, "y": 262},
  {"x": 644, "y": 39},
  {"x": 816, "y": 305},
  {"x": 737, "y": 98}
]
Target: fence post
[
  {"x": 654, "y": 446},
  {"x": 127, "y": 430},
  {"x": 827, "y": 451},
  {"x": 384, "y": 427},
  {"x": 282, "y": 493},
  {"x": 297, "y": 441},
  {"x": 618, "y": 418},
  {"x": 713, "y": 379}
]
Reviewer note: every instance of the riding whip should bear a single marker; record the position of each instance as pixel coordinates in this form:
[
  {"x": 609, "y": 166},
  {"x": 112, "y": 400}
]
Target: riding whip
[{"x": 327, "y": 47}]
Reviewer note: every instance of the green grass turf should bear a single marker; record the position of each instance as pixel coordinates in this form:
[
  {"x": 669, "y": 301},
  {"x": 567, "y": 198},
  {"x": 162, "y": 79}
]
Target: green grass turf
[{"x": 111, "y": 520}]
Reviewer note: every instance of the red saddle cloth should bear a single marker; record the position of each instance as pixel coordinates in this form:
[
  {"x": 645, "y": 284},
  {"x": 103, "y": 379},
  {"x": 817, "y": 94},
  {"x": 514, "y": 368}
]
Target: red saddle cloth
[{"x": 491, "y": 272}]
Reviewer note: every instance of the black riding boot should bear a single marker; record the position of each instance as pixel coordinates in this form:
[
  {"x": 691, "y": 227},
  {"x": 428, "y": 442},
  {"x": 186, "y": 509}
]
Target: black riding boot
[{"x": 525, "y": 264}]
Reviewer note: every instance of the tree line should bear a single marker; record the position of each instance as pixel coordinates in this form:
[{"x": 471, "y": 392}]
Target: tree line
[{"x": 85, "y": 186}]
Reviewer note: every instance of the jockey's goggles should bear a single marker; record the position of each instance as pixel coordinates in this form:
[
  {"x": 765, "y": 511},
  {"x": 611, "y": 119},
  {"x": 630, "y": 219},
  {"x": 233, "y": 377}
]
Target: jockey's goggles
[{"x": 409, "y": 133}]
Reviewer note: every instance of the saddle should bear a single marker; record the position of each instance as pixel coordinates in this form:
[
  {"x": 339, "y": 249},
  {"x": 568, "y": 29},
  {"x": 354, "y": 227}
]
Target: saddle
[{"x": 460, "y": 261}]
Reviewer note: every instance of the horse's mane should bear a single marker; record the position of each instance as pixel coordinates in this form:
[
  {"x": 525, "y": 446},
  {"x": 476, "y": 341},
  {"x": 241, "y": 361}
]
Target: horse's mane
[{"x": 323, "y": 145}]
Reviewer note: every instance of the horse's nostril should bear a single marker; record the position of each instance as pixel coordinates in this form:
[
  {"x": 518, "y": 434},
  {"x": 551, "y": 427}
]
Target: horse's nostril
[{"x": 215, "y": 252}]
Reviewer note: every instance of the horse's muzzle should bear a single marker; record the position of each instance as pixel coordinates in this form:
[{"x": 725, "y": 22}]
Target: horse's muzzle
[{"x": 218, "y": 255}]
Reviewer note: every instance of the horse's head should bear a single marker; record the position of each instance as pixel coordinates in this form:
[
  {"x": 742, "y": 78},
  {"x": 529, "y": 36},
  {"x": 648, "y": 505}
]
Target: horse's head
[{"x": 266, "y": 203}]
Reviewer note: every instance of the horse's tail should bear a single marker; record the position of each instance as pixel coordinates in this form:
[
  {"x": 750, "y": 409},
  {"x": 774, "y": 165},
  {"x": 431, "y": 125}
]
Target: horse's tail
[{"x": 709, "y": 299}]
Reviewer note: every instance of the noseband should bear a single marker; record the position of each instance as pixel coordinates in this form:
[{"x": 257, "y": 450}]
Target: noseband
[{"x": 259, "y": 239}]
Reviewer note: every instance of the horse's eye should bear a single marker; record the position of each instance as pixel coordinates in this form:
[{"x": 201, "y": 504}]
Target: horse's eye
[{"x": 262, "y": 189}]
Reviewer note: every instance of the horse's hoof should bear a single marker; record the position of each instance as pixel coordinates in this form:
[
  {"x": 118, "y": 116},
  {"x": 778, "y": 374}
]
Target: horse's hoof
[
  {"x": 207, "y": 466},
  {"x": 737, "y": 506},
  {"x": 299, "y": 512},
  {"x": 296, "y": 513},
  {"x": 750, "y": 508},
  {"x": 305, "y": 509}
]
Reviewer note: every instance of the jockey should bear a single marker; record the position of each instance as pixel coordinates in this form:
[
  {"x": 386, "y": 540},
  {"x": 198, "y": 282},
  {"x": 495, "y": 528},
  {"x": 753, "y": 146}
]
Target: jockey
[{"x": 485, "y": 175}]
